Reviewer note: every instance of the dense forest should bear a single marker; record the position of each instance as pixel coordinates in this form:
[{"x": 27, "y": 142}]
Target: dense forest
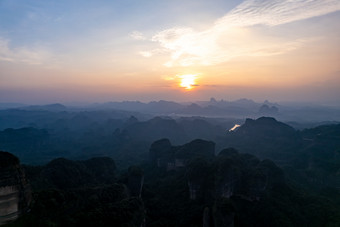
[{"x": 123, "y": 168}]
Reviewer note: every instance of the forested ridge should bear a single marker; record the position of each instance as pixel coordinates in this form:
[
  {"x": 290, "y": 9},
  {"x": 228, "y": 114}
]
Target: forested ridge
[{"x": 266, "y": 174}]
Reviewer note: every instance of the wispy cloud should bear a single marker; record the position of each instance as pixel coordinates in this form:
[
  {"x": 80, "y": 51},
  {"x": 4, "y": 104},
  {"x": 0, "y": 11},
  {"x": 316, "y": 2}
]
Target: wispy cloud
[
  {"x": 230, "y": 36},
  {"x": 137, "y": 35},
  {"x": 31, "y": 56},
  {"x": 276, "y": 12}
]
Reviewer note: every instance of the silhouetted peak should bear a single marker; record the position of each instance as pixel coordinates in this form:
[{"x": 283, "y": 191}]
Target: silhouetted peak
[
  {"x": 7, "y": 160},
  {"x": 266, "y": 120},
  {"x": 158, "y": 149},
  {"x": 132, "y": 120},
  {"x": 245, "y": 101},
  {"x": 160, "y": 144},
  {"x": 194, "y": 105},
  {"x": 200, "y": 144},
  {"x": 164, "y": 102},
  {"x": 198, "y": 147},
  {"x": 55, "y": 105},
  {"x": 48, "y": 107},
  {"x": 227, "y": 152},
  {"x": 163, "y": 154},
  {"x": 163, "y": 106},
  {"x": 260, "y": 121},
  {"x": 265, "y": 125},
  {"x": 265, "y": 109}
]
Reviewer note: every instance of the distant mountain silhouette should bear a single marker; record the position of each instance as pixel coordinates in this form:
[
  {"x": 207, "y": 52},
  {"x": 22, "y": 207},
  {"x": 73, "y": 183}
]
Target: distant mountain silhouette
[
  {"x": 161, "y": 106},
  {"x": 266, "y": 110},
  {"x": 49, "y": 107},
  {"x": 9, "y": 105}
]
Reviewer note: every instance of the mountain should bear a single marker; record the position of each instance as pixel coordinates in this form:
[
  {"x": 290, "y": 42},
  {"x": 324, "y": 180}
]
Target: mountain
[
  {"x": 317, "y": 164},
  {"x": 15, "y": 191},
  {"x": 156, "y": 128},
  {"x": 55, "y": 107},
  {"x": 230, "y": 189},
  {"x": 62, "y": 173},
  {"x": 155, "y": 107},
  {"x": 310, "y": 157},
  {"x": 266, "y": 138},
  {"x": 169, "y": 157},
  {"x": 268, "y": 111},
  {"x": 10, "y": 105},
  {"x": 24, "y": 142},
  {"x": 83, "y": 193},
  {"x": 189, "y": 185},
  {"x": 163, "y": 107}
]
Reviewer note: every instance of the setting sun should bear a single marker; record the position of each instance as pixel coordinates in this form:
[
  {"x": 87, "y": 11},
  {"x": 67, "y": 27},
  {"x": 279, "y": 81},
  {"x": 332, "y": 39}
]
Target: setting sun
[{"x": 188, "y": 81}]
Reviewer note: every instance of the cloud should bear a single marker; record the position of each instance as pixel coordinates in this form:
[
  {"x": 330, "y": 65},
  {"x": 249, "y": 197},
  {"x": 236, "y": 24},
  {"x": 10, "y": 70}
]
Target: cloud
[
  {"x": 146, "y": 54},
  {"x": 31, "y": 56},
  {"x": 276, "y": 12},
  {"x": 150, "y": 53},
  {"x": 231, "y": 36},
  {"x": 137, "y": 35}
]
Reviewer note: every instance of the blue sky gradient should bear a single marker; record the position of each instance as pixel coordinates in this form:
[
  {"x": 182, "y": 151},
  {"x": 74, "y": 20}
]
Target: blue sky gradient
[{"x": 57, "y": 51}]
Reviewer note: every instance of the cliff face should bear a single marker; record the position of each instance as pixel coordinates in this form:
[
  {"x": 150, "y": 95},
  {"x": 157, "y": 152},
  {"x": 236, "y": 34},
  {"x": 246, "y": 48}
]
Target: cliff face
[
  {"x": 15, "y": 192},
  {"x": 223, "y": 185}
]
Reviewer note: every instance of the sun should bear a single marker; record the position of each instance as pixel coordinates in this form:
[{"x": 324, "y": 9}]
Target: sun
[{"x": 188, "y": 81}]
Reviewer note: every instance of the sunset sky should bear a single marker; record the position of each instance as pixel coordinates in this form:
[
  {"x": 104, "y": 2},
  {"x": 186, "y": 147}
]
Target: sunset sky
[{"x": 98, "y": 51}]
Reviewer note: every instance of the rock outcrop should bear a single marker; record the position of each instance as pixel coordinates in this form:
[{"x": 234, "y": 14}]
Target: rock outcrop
[
  {"x": 15, "y": 192},
  {"x": 219, "y": 181},
  {"x": 164, "y": 155}
]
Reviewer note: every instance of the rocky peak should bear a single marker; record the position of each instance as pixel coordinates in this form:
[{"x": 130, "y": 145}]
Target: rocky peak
[
  {"x": 266, "y": 126},
  {"x": 163, "y": 154},
  {"x": 158, "y": 150},
  {"x": 15, "y": 192},
  {"x": 196, "y": 148}
]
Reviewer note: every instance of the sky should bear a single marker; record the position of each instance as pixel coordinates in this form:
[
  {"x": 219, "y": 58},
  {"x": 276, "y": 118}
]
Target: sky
[{"x": 110, "y": 50}]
